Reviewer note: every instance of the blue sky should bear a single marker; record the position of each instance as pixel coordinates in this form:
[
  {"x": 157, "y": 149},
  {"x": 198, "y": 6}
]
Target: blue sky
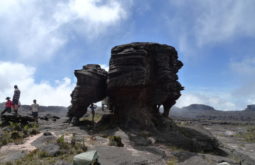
[{"x": 43, "y": 41}]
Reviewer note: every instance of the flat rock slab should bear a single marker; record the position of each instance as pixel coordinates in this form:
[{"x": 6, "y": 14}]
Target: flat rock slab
[
  {"x": 11, "y": 155},
  {"x": 189, "y": 158},
  {"x": 109, "y": 155},
  {"x": 240, "y": 148}
]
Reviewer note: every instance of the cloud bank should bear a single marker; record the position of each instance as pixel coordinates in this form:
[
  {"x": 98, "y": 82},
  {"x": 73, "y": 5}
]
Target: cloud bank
[
  {"x": 36, "y": 29},
  {"x": 34, "y": 32},
  {"x": 44, "y": 92},
  {"x": 200, "y": 23},
  {"x": 220, "y": 101}
]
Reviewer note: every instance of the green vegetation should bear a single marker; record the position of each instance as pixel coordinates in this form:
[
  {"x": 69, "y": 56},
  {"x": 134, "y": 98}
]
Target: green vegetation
[
  {"x": 115, "y": 141},
  {"x": 16, "y": 132},
  {"x": 176, "y": 148},
  {"x": 72, "y": 148},
  {"x": 97, "y": 117},
  {"x": 145, "y": 134},
  {"x": 248, "y": 135},
  {"x": 39, "y": 158},
  {"x": 66, "y": 153},
  {"x": 182, "y": 123},
  {"x": 172, "y": 161}
]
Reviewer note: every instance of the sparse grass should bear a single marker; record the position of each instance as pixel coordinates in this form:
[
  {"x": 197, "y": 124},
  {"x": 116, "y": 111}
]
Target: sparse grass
[
  {"x": 115, "y": 141},
  {"x": 72, "y": 148},
  {"x": 172, "y": 161},
  {"x": 38, "y": 157},
  {"x": 145, "y": 134},
  {"x": 182, "y": 123},
  {"x": 97, "y": 117},
  {"x": 16, "y": 132},
  {"x": 248, "y": 135},
  {"x": 175, "y": 148}
]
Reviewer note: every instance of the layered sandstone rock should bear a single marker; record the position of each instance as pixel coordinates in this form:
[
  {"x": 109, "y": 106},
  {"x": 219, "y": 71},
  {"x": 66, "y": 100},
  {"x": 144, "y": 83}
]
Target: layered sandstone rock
[
  {"x": 90, "y": 88},
  {"x": 142, "y": 76}
]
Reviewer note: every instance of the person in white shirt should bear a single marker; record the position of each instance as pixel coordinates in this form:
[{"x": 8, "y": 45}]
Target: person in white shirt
[{"x": 35, "y": 109}]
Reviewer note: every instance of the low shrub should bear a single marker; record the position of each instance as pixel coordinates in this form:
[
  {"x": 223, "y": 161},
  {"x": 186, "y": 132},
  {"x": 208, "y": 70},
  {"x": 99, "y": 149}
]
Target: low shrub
[
  {"x": 115, "y": 141},
  {"x": 16, "y": 132},
  {"x": 248, "y": 135}
]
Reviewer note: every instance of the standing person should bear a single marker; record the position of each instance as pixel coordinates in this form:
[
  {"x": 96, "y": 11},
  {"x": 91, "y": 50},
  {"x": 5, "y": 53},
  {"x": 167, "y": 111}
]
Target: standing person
[
  {"x": 35, "y": 109},
  {"x": 8, "y": 106},
  {"x": 15, "y": 99},
  {"x": 92, "y": 107}
]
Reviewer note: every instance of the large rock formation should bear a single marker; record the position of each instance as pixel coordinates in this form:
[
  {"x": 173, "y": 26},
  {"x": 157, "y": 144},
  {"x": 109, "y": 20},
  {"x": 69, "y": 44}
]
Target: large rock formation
[
  {"x": 90, "y": 88},
  {"x": 142, "y": 76}
]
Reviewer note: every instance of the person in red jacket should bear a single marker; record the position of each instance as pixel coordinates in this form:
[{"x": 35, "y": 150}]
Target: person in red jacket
[{"x": 8, "y": 106}]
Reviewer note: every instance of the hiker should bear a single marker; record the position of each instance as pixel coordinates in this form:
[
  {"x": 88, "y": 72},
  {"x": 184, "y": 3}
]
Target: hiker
[
  {"x": 92, "y": 107},
  {"x": 104, "y": 103},
  {"x": 15, "y": 99},
  {"x": 35, "y": 109},
  {"x": 8, "y": 106}
]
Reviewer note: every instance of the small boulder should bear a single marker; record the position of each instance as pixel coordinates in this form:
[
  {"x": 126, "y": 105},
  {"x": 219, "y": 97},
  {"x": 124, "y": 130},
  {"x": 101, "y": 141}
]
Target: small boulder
[
  {"x": 47, "y": 134},
  {"x": 50, "y": 149},
  {"x": 86, "y": 158},
  {"x": 115, "y": 141},
  {"x": 223, "y": 163}
]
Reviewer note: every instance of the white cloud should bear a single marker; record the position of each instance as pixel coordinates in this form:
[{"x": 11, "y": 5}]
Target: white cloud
[
  {"x": 244, "y": 67},
  {"x": 212, "y": 21},
  {"x": 222, "y": 20},
  {"x": 245, "y": 93},
  {"x": 105, "y": 67},
  {"x": 94, "y": 18},
  {"x": 44, "y": 92},
  {"x": 244, "y": 71},
  {"x": 89, "y": 10},
  {"x": 36, "y": 29},
  {"x": 221, "y": 101}
]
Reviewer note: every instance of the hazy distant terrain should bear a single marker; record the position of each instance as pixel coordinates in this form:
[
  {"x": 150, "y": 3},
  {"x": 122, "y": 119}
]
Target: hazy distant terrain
[
  {"x": 200, "y": 111},
  {"x": 193, "y": 111},
  {"x": 233, "y": 129},
  {"x": 56, "y": 110}
]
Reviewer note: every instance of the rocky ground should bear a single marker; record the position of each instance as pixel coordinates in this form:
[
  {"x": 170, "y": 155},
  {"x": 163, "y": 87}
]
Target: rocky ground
[{"x": 235, "y": 145}]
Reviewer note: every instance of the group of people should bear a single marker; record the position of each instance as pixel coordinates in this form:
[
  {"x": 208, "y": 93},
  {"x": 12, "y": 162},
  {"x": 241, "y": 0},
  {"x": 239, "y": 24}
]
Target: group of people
[{"x": 14, "y": 104}]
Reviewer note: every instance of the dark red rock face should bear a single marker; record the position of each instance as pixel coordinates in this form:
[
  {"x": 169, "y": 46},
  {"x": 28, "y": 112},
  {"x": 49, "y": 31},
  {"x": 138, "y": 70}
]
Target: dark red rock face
[{"x": 141, "y": 77}]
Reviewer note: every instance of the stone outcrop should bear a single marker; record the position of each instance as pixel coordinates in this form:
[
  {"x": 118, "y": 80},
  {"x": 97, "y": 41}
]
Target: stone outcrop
[
  {"x": 250, "y": 107},
  {"x": 142, "y": 76},
  {"x": 22, "y": 119},
  {"x": 90, "y": 88}
]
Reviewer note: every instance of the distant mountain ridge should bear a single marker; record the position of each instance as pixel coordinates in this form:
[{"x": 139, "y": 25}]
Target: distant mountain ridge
[
  {"x": 197, "y": 107},
  {"x": 193, "y": 111},
  {"x": 43, "y": 109}
]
